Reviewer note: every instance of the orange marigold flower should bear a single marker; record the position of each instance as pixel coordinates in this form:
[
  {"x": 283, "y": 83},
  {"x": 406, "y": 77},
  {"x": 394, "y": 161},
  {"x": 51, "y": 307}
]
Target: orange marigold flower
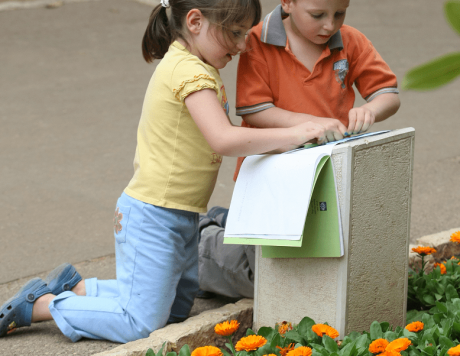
[
  {"x": 300, "y": 351},
  {"x": 270, "y": 355},
  {"x": 227, "y": 328},
  {"x": 441, "y": 266},
  {"x": 378, "y": 346},
  {"x": 390, "y": 353},
  {"x": 398, "y": 344},
  {"x": 423, "y": 250},
  {"x": 414, "y": 327},
  {"x": 454, "y": 351},
  {"x": 455, "y": 237},
  {"x": 454, "y": 258},
  {"x": 285, "y": 350},
  {"x": 284, "y": 327},
  {"x": 207, "y": 351},
  {"x": 250, "y": 343},
  {"x": 321, "y": 329}
]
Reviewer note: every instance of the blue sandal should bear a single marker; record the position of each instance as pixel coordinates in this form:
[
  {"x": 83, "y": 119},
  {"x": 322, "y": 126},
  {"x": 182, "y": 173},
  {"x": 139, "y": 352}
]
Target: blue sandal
[
  {"x": 17, "y": 311},
  {"x": 63, "y": 278}
]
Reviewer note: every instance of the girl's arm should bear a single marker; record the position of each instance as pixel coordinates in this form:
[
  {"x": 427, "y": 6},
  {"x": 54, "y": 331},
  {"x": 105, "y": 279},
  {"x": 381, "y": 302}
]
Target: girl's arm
[
  {"x": 379, "y": 109},
  {"x": 276, "y": 117},
  {"x": 229, "y": 140}
]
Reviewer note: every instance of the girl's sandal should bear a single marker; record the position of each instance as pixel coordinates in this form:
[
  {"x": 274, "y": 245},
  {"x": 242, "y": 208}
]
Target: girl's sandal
[
  {"x": 17, "y": 311},
  {"x": 63, "y": 278}
]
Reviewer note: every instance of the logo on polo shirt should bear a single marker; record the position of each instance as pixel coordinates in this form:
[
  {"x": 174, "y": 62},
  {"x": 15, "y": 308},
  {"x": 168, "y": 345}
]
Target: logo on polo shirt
[{"x": 341, "y": 70}]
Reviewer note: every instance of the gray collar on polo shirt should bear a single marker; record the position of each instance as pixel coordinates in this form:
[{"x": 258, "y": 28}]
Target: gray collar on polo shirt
[{"x": 273, "y": 31}]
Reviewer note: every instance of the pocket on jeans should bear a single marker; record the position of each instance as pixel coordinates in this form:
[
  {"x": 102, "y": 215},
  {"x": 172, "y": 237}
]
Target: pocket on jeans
[{"x": 120, "y": 222}]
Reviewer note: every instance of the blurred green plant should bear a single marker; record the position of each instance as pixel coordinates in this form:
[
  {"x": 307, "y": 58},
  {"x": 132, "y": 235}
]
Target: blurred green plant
[{"x": 441, "y": 70}]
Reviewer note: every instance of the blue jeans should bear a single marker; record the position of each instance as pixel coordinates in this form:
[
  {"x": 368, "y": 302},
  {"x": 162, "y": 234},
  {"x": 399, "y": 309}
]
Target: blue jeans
[{"x": 157, "y": 277}]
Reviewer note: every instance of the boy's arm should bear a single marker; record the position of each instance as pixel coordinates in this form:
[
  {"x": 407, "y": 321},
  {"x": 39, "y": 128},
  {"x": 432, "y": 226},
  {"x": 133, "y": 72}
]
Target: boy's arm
[
  {"x": 379, "y": 109},
  {"x": 278, "y": 118}
]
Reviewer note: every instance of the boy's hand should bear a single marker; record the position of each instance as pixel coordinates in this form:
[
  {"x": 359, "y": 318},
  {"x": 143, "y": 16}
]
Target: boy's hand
[
  {"x": 334, "y": 129},
  {"x": 360, "y": 119}
]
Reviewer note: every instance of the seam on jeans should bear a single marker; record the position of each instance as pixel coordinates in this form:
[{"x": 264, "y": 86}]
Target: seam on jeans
[{"x": 134, "y": 260}]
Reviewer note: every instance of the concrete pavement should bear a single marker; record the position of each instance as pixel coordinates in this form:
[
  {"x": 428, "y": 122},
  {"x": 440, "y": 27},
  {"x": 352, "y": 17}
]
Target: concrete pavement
[{"x": 72, "y": 82}]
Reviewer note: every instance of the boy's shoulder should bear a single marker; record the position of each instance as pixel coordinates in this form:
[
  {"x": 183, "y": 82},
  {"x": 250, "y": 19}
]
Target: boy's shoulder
[{"x": 352, "y": 37}]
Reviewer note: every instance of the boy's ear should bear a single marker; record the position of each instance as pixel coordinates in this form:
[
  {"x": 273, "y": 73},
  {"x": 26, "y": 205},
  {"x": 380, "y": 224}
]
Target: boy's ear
[
  {"x": 194, "y": 21},
  {"x": 287, "y": 5}
]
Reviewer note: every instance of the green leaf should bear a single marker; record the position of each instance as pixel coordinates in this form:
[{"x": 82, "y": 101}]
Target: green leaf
[
  {"x": 266, "y": 332},
  {"x": 429, "y": 299},
  {"x": 441, "y": 307},
  {"x": 330, "y": 344},
  {"x": 150, "y": 353},
  {"x": 376, "y": 330},
  {"x": 294, "y": 336},
  {"x": 452, "y": 12},
  {"x": 264, "y": 350},
  {"x": 305, "y": 326},
  {"x": 171, "y": 353},
  {"x": 348, "y": 350},
  {"x": 446, "y": 342},
  {"x": 250, "y": 332},
  {"x": 390, "y": 336},
  {"x": 362, "y": 341},
  {"x": 185, "y": 351},
  {"x": 276, "y": 341},
  {"x": 451, "y": 292},
  {"x": 431, "y": 75},
  {"x": 225, "y": 352}
]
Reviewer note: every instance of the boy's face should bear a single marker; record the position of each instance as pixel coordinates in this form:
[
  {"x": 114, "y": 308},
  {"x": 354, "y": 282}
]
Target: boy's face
[{"x": 316, "y": 20}]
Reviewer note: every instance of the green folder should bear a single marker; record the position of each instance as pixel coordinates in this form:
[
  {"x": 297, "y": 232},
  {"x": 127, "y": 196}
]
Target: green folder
[{"x": 321, "y": 236}]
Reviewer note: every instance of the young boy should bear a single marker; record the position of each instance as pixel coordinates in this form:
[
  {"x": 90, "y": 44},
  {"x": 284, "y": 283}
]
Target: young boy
[{"x": 300, "y": 65}]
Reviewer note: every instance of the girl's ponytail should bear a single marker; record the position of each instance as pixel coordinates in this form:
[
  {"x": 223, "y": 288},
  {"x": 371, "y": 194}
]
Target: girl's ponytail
[{"x": 157, "y": 37}]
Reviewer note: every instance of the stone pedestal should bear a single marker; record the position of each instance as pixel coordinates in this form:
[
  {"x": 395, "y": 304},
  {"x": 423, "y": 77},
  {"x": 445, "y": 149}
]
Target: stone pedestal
[{"x": 374, "y": 183}]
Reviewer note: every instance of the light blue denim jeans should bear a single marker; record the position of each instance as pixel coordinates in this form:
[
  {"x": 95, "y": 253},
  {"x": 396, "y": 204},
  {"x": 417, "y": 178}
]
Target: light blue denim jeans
[{"x": 157, "y": 277}]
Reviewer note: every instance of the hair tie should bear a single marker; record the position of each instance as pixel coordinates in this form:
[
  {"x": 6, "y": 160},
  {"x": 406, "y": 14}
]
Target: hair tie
[{"x": 165, "y": 3}]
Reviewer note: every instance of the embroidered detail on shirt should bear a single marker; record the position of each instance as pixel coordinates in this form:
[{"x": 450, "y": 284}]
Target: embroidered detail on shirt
[
  {"x": 117, "y": 221},
  {"x": 191, "y": 80},
  {"x": 341, "y": 70},
  {"x": 224, "y": 100},
  {"x": 216, "y": 158}
]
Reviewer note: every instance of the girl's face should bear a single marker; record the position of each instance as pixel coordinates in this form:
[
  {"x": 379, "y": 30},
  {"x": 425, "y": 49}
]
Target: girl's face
[
  {"x": 215, "y": 49},
  {"x": 316, "y": 20}
]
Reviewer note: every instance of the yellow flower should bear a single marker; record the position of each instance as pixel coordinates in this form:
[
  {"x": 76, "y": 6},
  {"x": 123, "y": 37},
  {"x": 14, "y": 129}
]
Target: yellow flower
[
  {"x": 321, "y": 329},
  {"x": 378, "y": 346},
  {"x": 207, "y": 351},
  {"x": 455, "y": 237},
  {"x": 415, "y": 326},
  {"x": 441, "y": 266},
  {"x": 285, "y": 350},
  {"x": 398, "y": 345},
  {"x": 300, "y": 351},
  {"x": 284, "y": 327},
  {"x": 250, "y": 343},
  {"x": 423, "y": 250},
  {"x": 227, "y": 328},
  {"x": 454, "y": 351}
]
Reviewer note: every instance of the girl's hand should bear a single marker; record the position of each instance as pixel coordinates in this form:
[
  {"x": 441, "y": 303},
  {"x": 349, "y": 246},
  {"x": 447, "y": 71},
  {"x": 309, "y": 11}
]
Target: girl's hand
[
  {"x": 360, "y": 119},
  {"x": 308, "y": 131},
  {"x": 334, "y": 129}
]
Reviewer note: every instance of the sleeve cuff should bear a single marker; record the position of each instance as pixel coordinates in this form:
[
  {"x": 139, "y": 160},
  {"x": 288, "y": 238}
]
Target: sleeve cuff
[
  {"x": 382, "y": 91},
  {"x": 245, "y": 110}
]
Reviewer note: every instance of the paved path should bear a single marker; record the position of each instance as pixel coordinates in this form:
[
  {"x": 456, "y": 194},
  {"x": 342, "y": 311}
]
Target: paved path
[{"x": 72, "y": 81}]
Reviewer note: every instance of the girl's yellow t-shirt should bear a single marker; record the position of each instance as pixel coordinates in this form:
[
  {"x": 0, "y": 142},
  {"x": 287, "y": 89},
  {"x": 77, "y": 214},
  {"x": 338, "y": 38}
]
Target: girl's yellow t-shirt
[{"x": 174, "y": 166}]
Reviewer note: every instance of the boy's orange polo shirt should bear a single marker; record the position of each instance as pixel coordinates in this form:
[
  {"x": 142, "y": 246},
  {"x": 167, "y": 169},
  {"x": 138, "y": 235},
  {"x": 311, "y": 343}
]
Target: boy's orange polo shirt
[{"x": 269, "y": 75}]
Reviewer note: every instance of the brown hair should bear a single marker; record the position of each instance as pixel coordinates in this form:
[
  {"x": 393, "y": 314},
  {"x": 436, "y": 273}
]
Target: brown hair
[{"x": 163, "y": 30}]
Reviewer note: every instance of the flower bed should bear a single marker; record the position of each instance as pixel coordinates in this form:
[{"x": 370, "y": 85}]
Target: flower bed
[{"x": 433, "y": 325}]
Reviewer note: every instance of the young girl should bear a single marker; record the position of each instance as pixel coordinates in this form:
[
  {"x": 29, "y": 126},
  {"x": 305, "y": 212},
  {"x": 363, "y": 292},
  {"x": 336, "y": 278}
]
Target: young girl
[{"x": 183, "y": 133}]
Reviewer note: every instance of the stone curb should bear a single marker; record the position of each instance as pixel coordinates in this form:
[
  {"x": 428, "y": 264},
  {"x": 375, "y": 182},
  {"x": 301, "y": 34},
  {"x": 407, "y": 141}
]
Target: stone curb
[{"x": 196, "y": 331}]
